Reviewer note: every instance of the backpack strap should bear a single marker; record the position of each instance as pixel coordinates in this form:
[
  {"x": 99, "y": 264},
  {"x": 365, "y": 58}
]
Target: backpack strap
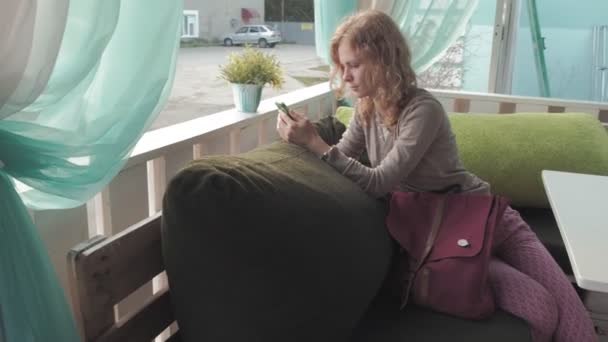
[{"x": 430, "y": 241}]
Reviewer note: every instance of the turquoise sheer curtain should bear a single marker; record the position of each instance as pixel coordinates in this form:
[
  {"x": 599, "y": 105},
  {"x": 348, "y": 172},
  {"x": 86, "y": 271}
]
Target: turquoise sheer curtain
[
  {"x": 328, "y": 15},
  {"x": 80, "y": 82},
  {"x": 430, "y": 26}
]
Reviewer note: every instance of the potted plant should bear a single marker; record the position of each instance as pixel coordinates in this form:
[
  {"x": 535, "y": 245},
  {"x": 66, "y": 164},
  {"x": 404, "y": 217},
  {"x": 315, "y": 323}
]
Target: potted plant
[{"x": 248, "y": 72}]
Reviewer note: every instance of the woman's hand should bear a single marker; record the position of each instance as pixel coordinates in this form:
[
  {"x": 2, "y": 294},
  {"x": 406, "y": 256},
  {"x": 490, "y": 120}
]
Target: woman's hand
[{"x": 300, "y": 131}]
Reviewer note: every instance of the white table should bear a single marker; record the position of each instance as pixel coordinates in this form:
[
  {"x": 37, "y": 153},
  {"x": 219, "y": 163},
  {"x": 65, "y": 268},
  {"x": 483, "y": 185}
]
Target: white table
[{"x": 580, "y": 206}]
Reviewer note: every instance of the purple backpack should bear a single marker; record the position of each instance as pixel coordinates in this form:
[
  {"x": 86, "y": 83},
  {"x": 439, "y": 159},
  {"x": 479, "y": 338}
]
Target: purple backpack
[{"x": 447, "y": 239}]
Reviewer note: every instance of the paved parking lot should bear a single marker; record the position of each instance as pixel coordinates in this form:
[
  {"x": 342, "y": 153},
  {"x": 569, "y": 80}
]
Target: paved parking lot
[{"x": 197, "y": 91}]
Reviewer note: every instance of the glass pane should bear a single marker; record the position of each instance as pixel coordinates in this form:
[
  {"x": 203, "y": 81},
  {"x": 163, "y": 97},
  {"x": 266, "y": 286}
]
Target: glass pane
[
  {"x": 466, "y": 64},
  {"x": 575, "y": 69},
  {"x": 197, "y": 91}
]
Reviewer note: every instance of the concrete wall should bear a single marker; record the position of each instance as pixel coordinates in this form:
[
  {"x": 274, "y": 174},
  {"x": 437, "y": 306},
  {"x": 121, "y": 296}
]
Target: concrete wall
[
  {"x": 299, "y": 33},
  {"x": 217, "y": 18}
]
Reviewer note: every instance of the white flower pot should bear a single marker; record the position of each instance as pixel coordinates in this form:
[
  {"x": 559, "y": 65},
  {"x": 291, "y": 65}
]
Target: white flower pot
[{"x": 247, "y": 97}]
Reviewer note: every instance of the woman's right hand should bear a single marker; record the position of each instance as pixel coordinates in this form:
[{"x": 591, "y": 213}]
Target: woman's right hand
[{"x": 300, "y": 131}]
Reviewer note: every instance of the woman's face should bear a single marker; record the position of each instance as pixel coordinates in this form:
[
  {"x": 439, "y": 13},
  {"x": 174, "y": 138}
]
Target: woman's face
[{"x": 354, "y": 68}]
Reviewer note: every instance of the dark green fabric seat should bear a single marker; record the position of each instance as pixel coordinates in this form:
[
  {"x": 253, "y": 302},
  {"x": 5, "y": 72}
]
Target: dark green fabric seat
[
  {"x": 274, "y": 245},
  {"x": 384, "y": 323},
  {"x": 271, "y": 245}
]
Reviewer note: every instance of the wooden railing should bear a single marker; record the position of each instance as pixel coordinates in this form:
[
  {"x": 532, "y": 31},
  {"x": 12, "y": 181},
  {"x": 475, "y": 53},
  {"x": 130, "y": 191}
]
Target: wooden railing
[
  {"x": 467, "y": 102},
  {"x": 136, "y": 192}
]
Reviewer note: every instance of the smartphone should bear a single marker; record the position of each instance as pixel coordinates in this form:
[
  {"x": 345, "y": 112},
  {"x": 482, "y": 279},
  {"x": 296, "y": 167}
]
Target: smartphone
[{"x": 283, "y": 107}]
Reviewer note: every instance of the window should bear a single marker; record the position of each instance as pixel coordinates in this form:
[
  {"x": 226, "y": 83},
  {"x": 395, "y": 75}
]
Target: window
[
  {"x": 242, "y": 30},
  {"x": 254, "y": 29},
  {"x": 574, "y": 50},
  {"x": 465, "y": 65},
  {"x": 190, "y": 24}
]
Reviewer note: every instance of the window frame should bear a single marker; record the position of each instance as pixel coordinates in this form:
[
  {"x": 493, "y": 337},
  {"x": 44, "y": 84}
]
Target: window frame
[{"x": 185, "y": 31}]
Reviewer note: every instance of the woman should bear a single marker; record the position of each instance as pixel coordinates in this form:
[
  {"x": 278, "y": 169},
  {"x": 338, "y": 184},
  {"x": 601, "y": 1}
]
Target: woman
[{"x": 407, "y": 136}]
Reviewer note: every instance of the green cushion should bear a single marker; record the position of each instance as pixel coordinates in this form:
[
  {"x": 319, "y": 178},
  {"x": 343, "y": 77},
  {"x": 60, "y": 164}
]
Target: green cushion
[
  {"x": 510, "y": 150},
  {"x": 271, "y": 245},
  {"x": 344, "y": 114}
]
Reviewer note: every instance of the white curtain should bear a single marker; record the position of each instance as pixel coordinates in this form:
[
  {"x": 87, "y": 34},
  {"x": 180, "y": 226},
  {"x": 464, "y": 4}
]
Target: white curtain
[{"x": 31, "y": 33}]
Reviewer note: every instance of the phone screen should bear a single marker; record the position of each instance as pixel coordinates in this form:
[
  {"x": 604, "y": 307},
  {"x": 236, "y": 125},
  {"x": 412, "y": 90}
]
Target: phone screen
[{"x": 283, "y": 107}]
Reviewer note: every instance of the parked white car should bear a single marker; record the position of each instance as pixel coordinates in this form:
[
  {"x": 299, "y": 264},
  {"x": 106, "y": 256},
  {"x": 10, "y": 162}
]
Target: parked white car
[{"x": 262, "y": 35}]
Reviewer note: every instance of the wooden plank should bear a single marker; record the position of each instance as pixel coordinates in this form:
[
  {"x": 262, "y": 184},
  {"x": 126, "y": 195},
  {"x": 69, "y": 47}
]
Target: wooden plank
[
  {"x": 506, "y": 107},
  {"x": 77, "y": 289},
  {"x": 478, "y": 96},
  {"x": 128, "y": 197},
  {"x": 161, "y": 283},
  {"x": 199, "y": 150},
  {"x": 109, "y": 271},
  {"x": 483, "y": 107},
  {"x": 578, "y": 109},
  {"x": 262, "y": 132},
  {"x": 99, "y": 214},
  {"x": 320, "y": 109},
  {"x": 157, "y": 182},
  {"x": 531, "y": 108},
  {"x": 556, "y": 109},
  {"x": 603, "y": 115},
  {"x": 126, "y": 261},
  {"x": 271, "y": 129},
  {"x": 462, "y": 105},
  {"x": 145, "y": 324},
  {"x": 235, "y": 141},
  {"x": 249, "y": 137},
  {"x": 155, "y": 143},
  {"x": 175, "y": 161},
  {"x": 447, "y": 103}
]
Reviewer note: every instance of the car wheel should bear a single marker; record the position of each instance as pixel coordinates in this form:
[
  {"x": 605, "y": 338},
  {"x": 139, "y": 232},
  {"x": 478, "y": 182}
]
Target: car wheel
[
  {"x": 262, "y": 43},
  {"x": 227, "y": 42},
  {"x": 272, "y": 45}
]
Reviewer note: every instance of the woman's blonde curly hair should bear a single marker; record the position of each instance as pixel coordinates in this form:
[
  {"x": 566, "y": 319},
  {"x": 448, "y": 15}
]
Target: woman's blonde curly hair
[{"x": 377, "y": 37}]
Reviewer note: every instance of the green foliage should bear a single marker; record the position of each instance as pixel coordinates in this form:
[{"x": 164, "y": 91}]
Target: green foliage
[{"x": 253, "y": 66}]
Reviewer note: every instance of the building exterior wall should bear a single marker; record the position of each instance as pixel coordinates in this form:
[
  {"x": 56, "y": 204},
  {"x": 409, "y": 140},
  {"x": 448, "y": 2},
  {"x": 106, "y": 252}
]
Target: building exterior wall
[
  {"x": 218, "y": 17},
  {"x": 295, "y": 32}
]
